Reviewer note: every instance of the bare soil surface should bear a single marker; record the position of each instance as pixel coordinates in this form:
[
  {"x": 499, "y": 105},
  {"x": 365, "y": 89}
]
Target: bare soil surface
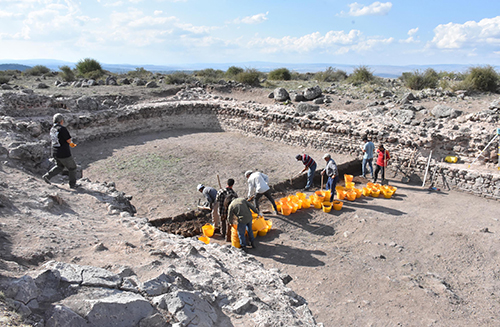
[{"x": 421, "y": 258}]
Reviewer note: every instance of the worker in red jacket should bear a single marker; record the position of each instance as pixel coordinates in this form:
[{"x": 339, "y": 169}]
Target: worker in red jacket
[{"x": 382, "y": 159}]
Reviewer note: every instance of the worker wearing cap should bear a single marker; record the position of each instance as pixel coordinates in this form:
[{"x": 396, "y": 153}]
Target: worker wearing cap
[
  {"x": 258, "y": 186},
  {"x": 61, "y": 152},
  {"x": 310, "y": 166},
  {"x": 332, "y": 172},
  {"x": 209, "y": 193}
]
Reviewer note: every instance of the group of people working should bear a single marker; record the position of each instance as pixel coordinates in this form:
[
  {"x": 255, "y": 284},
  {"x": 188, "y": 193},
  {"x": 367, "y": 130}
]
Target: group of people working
[{"x": 225, "y": 204}]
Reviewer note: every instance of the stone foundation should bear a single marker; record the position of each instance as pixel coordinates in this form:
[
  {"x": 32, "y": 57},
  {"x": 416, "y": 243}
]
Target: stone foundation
[{"x": 332, "y": 131}]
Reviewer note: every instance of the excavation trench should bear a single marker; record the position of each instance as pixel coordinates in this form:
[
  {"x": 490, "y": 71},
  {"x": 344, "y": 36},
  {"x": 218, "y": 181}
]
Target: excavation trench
[
  {"x": 161, "y": 170},
  {"x": 190, "y": 223}
]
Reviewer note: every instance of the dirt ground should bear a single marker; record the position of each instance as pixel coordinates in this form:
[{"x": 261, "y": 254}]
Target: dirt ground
[{"x": 421, "y": 258}]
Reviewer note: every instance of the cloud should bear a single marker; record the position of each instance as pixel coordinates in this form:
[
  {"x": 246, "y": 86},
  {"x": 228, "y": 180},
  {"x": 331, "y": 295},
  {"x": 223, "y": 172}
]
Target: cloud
[
  {"x": 411, "y": 39},
  {"x": 255, "y": 19},
  {"x": 375, "y": 9},
  {"x": 337, "y": 42},
  {"x": 486, "y": 32},
  {"x": 413, "y": 31}
]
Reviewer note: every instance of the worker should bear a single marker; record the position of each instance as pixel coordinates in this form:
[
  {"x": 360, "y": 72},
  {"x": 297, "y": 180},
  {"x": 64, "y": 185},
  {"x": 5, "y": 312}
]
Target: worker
[
  {"x": 210, "y": 194},
  {"x": 240, "y": 208},
  {"x": 258, "y": 186},
  {"x": 61, "y": 144},
  {"x": 332, "y": 172},
  {"x": 222, "y": 194},
  {"x": 368, "y": 149},
  {"x": 382, "y": 160},
  {"x": 310, "y": 166}
]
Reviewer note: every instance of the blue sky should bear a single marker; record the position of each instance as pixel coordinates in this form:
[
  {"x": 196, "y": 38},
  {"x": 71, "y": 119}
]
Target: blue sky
[{"x": 168, "y": 32}]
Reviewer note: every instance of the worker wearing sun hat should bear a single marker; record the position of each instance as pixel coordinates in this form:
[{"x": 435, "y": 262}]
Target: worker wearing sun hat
[
  {"x": 258, "y": 186},
  {"x": 332, "y": 172}
]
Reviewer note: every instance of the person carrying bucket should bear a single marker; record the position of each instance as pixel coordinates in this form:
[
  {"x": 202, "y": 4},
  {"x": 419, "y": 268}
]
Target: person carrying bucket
[
  {"x": 382, "y": 160},
  {"x": 332, "y": 172},
  {"x": 240, "y": 208},
  {"x": 310, "y": 166}
]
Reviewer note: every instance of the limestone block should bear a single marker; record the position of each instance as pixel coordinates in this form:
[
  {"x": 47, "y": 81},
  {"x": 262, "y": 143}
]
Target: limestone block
[{"x": 61, "y": 316}]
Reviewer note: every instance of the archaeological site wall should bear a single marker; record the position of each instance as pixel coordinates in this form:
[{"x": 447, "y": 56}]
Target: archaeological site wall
[{"x": 27, "y": 118}]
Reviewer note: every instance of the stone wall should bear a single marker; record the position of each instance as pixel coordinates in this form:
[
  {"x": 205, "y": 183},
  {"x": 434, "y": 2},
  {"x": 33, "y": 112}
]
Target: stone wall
[{"x": 333, "y": 131}]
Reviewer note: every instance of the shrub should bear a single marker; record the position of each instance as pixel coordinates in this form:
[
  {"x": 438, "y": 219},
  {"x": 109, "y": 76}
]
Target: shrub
[
  {"x": 250, "y": 76},
  {"x": 361, "y": 74},
  {"x": 179, "y": 78},
  {"x": 67, "y": 73},
  {"x": 233, "y": 71},
  {"x": 37, "y": 70},
  {"x": 4, "y": 79},
  {"x": 296, "y": 76},
  {"x": 280, "y": 74},
  {"x": 89, "y": 68},
  {"x": 481, "y": 79},
  {"x": 209, "y": 75},
  {"x": 331, "y": 75},
  {"x": 139, "y": 72},
  {"x": 419, "y": 81}
]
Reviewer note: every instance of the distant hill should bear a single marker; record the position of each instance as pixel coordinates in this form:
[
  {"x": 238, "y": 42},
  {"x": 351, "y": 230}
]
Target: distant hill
[{"x": 14, "y": 67}]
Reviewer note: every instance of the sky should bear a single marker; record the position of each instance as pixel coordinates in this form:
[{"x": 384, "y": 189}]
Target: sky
[{"x": 170, "y": 32}]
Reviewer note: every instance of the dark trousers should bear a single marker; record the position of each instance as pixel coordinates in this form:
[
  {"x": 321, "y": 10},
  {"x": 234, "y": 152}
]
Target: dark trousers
[
  {"x": 61, "y": 163},
  {"x": 330, "y": 185},
  {"x": 377, "y": 170},
  {"x": 269, "y": 196}
]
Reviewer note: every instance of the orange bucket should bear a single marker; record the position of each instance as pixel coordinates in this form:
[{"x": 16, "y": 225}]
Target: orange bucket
[
  {"x": 235, "y": 240},
  {"x": 337, "y": 205},
  {"x": 286, "y": 210},
  {"x": 366, "y": 191},
  {"x": 359, "y": 192},
  {"x": 370, "y": 185},
  {"x": 263, "y": 232},
  {"x": 255, "y": 232},
  {"x": 301, "y": 195},
  {"x": 341, "y": 194},
  {"x": 306, "y": 203},
  {"x": 269, "y": 224},
  {"x": 208, "y": 230},
  {"x": 204, "y": 239},
  {"x": 320, "y": 195},
  {"x": 278, "y": 205},
  {"x": 351, "y": 195},
  {"x": 318, "y": 204},
  {"x": 347, "y": 178},
  {"x": 259, "y": 224},
  {"x": 375, "y": 192},
  {"x": 328, "y": 194},
  {"x": 327, "y": 206},
  {"x": 349, "y": 185},
  {"x": 387, "y": 194}
]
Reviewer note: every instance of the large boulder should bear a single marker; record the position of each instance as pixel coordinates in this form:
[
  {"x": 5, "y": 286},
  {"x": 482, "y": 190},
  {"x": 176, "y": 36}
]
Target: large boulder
[
  {"x": 312, "y": 93},
  {"x": 280, "y": 94},
  {"x": 87, "y": 103},
  {"x": 442, "y": 111}
]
